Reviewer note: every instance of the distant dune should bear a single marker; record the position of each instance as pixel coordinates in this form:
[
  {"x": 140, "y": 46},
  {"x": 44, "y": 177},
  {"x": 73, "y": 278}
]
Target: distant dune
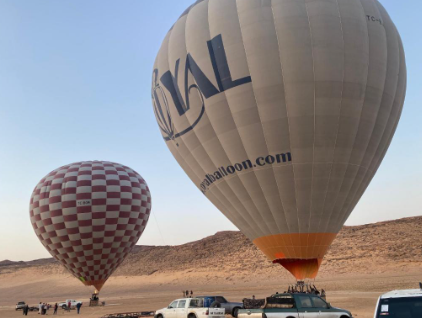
[
  {"x": 38, "y": 262},
  {"x": 374, "y": 248}
]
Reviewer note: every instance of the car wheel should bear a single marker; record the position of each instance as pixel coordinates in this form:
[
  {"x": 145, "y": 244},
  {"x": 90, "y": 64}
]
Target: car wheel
[
  {"x": 160, "y": 316},
  {"x": 215, "y": 304},
  {"x": 235, "y": 312},
  {"x": 191, "y": 316}
]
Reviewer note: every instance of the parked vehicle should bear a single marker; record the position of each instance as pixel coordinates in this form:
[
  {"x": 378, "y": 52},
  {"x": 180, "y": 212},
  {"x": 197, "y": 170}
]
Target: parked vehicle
[
  {"x": 294, "y": 305},
  {"x": 231, "y": 308},
  {"x": 73, "y": 303},
  {"x": 20, "y": 305},
  {"x": 400, "y": 303},
  {"x": 189, "y": 308}
]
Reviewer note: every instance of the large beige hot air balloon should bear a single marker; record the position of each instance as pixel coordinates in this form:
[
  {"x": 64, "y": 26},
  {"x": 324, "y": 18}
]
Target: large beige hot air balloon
[{"x": 281, "y": 112}]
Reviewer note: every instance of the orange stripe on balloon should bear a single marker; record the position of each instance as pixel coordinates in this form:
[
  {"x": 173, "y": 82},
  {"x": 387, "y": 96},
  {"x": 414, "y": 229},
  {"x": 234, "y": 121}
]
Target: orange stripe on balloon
[{"x": 300, "y": 253}]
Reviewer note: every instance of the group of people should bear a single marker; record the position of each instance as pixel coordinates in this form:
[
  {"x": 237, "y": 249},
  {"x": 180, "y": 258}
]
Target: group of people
[
  {"x": 301, "y": 287},
  {"x": 44, "y": 307},
  {"x": 186, "y": 294}
]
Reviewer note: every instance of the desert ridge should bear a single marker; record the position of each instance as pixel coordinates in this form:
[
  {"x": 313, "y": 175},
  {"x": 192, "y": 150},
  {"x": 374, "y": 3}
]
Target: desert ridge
[{"x": 366, "y": 249}]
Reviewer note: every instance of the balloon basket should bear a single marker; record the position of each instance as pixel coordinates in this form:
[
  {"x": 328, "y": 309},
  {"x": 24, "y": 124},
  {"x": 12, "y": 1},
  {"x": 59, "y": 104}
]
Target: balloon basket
[{"x": 94, "y": 301}]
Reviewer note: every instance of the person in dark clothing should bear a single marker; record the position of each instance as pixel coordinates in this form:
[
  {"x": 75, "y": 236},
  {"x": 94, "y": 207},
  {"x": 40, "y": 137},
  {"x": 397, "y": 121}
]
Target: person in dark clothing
[
  {"x": 78, "y": 307},
  {"x": 25, "y": 310},
  {"x": 55, "y": 309}
]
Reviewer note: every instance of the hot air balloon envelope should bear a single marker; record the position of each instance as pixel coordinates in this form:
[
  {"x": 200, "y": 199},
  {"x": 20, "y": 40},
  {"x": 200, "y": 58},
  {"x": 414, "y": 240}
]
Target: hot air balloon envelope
[
  {"x": 281, "y": 111},
  {"x": 89, "y": 215}
]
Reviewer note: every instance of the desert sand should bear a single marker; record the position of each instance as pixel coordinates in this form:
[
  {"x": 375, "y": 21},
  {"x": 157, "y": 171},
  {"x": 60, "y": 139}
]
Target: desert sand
[{"x": 364, "y": 262}]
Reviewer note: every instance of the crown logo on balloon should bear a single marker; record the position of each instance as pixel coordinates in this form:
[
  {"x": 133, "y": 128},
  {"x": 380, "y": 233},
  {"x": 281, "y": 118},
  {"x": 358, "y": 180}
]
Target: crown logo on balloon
[{"x": 161, "y": 108}]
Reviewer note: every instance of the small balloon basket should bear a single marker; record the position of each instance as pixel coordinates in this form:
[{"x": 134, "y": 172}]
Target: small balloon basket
[
  {"x": 131, "y": 314},
  {"x": 95, "y": 300}
]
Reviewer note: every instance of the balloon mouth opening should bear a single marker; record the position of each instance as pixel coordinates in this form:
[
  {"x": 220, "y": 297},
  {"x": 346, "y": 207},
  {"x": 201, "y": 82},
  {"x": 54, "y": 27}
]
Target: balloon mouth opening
[
  {"x": 301, "y": 269},
  {"x": 98, "y": 284}
]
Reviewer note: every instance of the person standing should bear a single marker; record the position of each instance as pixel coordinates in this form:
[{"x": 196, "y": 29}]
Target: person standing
[
  {"x": 68, "y": 306},
  {"x": 55, "y": 309},
  {"x": 323, "y": 295},
  {"x": 78, "y": 307},
  {"x": 39, "y": 308}
]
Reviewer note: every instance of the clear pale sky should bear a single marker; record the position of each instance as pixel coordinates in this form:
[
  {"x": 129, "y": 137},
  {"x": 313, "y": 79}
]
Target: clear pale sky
[{"x": 75, "y": 80}]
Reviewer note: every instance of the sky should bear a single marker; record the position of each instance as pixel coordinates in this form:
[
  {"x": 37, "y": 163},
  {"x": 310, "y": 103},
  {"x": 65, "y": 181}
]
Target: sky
[{"x": 75, "y": 82}]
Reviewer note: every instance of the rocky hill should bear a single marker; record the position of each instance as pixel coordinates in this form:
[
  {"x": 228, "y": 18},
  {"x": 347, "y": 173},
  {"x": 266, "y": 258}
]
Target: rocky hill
[{"x": 374, "y": 248}]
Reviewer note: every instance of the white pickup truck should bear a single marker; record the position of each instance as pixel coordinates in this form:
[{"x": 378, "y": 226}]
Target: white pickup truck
[
  {"x": 189, "y": 308},
  {"x": 73, "y": 303}
]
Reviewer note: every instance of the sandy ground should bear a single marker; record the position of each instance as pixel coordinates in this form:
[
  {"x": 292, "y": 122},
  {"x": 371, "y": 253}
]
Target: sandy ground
[{"x": 357, "y": 293}]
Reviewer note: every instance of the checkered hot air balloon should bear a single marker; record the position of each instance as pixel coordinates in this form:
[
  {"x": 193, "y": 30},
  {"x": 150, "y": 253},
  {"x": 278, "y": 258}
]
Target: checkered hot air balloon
[{"x": 89, "y": 215}]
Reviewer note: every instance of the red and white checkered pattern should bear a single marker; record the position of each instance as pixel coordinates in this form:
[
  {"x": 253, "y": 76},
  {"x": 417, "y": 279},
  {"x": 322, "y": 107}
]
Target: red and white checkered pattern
[{"x": 89, "y": 215}]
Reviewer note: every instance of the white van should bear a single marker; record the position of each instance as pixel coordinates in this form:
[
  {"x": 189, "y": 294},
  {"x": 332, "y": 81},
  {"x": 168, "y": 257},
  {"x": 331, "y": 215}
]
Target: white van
[{"x": 400, "y": 304}]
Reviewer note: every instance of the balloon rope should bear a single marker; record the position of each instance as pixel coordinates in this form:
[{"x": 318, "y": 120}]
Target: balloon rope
[{"x": 159, "y": 230}]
